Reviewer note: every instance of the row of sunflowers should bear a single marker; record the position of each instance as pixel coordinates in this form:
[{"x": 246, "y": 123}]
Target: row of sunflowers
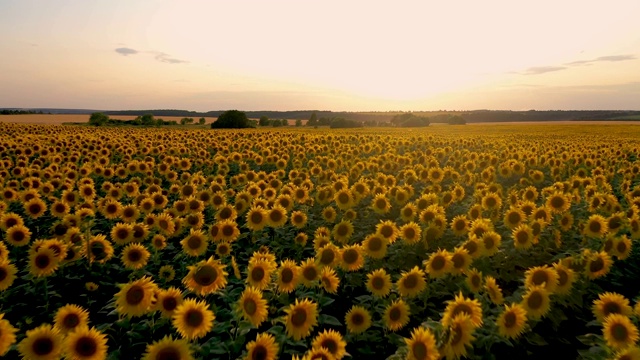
[{"x": 443, "y": 242}]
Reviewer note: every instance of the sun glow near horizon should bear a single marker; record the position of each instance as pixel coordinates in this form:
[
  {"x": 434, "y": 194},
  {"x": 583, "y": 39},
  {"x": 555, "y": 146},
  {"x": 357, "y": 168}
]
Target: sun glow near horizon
[{"x": 289, "y": 55}]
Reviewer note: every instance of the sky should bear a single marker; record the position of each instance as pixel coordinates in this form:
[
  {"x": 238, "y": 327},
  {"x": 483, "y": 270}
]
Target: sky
[{"x": 325, "y": 55}]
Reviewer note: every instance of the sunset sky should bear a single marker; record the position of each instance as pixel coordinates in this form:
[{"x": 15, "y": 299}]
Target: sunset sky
[{"x": 328, "y": 55}]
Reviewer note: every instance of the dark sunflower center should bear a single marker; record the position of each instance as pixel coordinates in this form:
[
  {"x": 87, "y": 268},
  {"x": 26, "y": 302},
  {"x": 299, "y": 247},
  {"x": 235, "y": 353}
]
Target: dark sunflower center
[
  {"x": 134, "y": 295},
  {"x": 350, "y": 256},
  {"x": 596, "y": 265},
  {"x": 611, "y": 308},
  {"x": 514, "y": 218},
  {"x": 535, "y": 300},
  {"x": 169, "y": 303},
  {"x": 19, "y": 236},
  {"x": 510, "y": 320},
  {"x": 71, "y": 321},
  {"x": 193, "y": 318},
  {"x": 522, "y": 237},
  {"x": 327, "y": 256},
  {"x": 330, "y": 345},
  {"x": 395, "y": 314},
  {"x": 457, "y": 335},
  {"x": 419, "y": 350},
  {"x": 489, "y": 242},
  {"x": 122, "y": 233},
  {"x": 621, "y": 247},
  {"x": 205, "y": 275},
  {"x": 375, "y": 244},
  {"x": 386, "y": 231},
  {"x": 286, "y": 276},
  {"x": 42, "y": 261},
  {"x": 378, "y": 283},
  {"x": 257, "y": 274},
  {"x": 357, "y": 319},
  {"x": 557, "y": 202},
  {"x": 458, "y": 261},
  {"x": 134, "y": 255},
  {"x": 438, "y": 263},
  {"x": 540, "y": 277},
  {"x": 563, "y": 277},
  {"x": 298, "y": 317},
  {"x": 256, "y": 217},
  {"x": 310, "y": 273},
  {"x": 250, "y": 306},
  {"x": 595, "y": 226},
  {"x": 409, "y": 233},
  {"x": 259, "y": 352},
  {"x": 461, "y": 309},
  {"x": 86, "y": 346},
  {"x": 3, "y": 274},
  {"x": 381, "y": 203},
  {"x": 138, "y": 231},
  {"x": 168, "y": 353},
  {"x": 343, "y": 198},
  {"x": 194, "y": 242},
  {"x": 42, "y": 346},
  {"x": 342, "y": 230},
  {"x": 620, "y": 332}
]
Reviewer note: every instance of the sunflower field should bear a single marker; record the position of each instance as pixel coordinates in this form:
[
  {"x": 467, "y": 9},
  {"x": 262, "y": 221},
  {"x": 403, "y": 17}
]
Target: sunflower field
[{"x": 479, "y": 242}]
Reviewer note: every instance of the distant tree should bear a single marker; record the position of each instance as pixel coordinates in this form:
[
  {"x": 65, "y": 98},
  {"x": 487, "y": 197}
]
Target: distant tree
[
  {"x": 147, "y": 120},
  {"x": 457, "y": 120},
  {"x": 284, "y": 122},
  {"x": 231, "y": 119},
  {"x": 202, "y": 121},
  {"x": 98, "y": 119},
  {"x": 298, "y": 122},
  {"x": 341, "y": 123},
  {"x": 264, "y": 120},
  {"x": 276, "y": 123},
  {"x": 313, "y": 120},
  {"x": 186, "y": 120}
]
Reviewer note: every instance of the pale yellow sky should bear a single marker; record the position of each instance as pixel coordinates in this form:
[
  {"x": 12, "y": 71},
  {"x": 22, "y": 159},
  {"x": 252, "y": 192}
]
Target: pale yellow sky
[{"x": 333, "y": 55}]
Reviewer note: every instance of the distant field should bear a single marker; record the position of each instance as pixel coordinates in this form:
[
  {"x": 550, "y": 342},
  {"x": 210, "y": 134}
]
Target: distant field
[{"x": 62, "y": 118}]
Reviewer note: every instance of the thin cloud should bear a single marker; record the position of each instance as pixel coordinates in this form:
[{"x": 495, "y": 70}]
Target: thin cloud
[
  {"x": 165, "y": 58},
  {"x": 537, "y": 70},
  {"x": 610, "y": 58},
  {"x": 126, "y": 51}
]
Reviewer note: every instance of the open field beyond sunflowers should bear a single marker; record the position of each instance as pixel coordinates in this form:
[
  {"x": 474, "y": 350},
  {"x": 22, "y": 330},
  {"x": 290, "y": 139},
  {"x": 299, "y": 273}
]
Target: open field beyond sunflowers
[{"x": 444, "y": 242}]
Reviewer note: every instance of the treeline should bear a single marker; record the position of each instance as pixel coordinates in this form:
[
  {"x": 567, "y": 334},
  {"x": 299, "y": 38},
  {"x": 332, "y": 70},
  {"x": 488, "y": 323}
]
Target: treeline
[
  {"x": 19, "y": 112},
  {"x": 102, "y": 119}
]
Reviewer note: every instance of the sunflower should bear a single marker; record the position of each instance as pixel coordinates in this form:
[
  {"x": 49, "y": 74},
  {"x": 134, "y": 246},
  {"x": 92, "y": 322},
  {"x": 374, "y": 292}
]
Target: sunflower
[
  {"x": 135, "y": 256},
  {"x": 4, "y": 252},
  {"x": 396, "y": 315},
  {"x": 610, "y": 303},
  {"x": 195, "y": 244},
  {"x": 622, "y": 247},
  {"x": 301, "y": 239},
  {"x": 619, "y": 331},
  {"x": 309, "y": 272},
  {"x": 35, "y": 208},
  {"x": 344, "y": 199},
  {"x": 491, "y": 201},
  {"x": 328, "y": 255},
  {"x": 522, "y": 237},
  {"x": 264, "y": 347},
  {"x": 168, "y": 300},
  {"x": 206, "y": 277},
  {"x": 300, "y": 318},
  {"x": 566, "y": 277},
  {"x": 474, "y": 280},
  {"x": 388, "y": 230},
  {"x": 193, "y": 319},
  {"x": 112, "y": 209},
  {"x": 351, "y": 258},
  {"x": 358, "y": 319},
  {"x": 43, "y": 262},
  {"x": 379, "y": 283},
  {"x": 288, "y": 275},
  {"x": 460, "y": 336},
  {"x": 544, "y": 276},
  {"x": 494, "y": 291},
  {"x": 558, "y": 202},
  {"x": 7, "y": 274},
  {"x": 227, "y": 231},
  {"x": 130, "y": 213},
  {"x": 511, "y": 323},
  {"x": 630, "y": 353},
  {"x": 158, "y": 242},
  {"x": 85, "y": 344},
  {"x": 332, "y": 341},
  {"x": 223, "y": 249},
  {"x": 380, "y": 204},
  {"x": 168, "y": 348},
  {"x": 8, "y": 220},
  {"x": 7, "y": 335},
  {"x": 329, "y": 214},
  {"x": 41, "y": 343},
  {"x": 226, "y": 212},
  {"x": 329, "y": 280},
  {"x": 122, "y": 233},
  {"x": 410, "y": 232},
  {"x": 438, "y": 264},
  {"x": 259, "y": 274},
  {"x": 165, "y": 223},
  {"x": 411, "y": 283},
  {"x": 596, "y": 226},
  {"x": 375, "y": 246},
  {"x": 135, "y": 298},
  {"x": 298, "y": 219},
  {"x": 277, "y": 216},
  {"x": 536, "y": 301},
  {"x": 257, "y": 218},
  {"x": 460, "y": 261},
  {"x": 59, "y": 209},
  {"x": 462, "y": 305},
  {"x": 70, "y": 317},
  {"x": 252, "y": 307},
  {"x": 598, "y": 264},
  {"x": 18, "y": 235},
  {"x": 490, "y": 242}
]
